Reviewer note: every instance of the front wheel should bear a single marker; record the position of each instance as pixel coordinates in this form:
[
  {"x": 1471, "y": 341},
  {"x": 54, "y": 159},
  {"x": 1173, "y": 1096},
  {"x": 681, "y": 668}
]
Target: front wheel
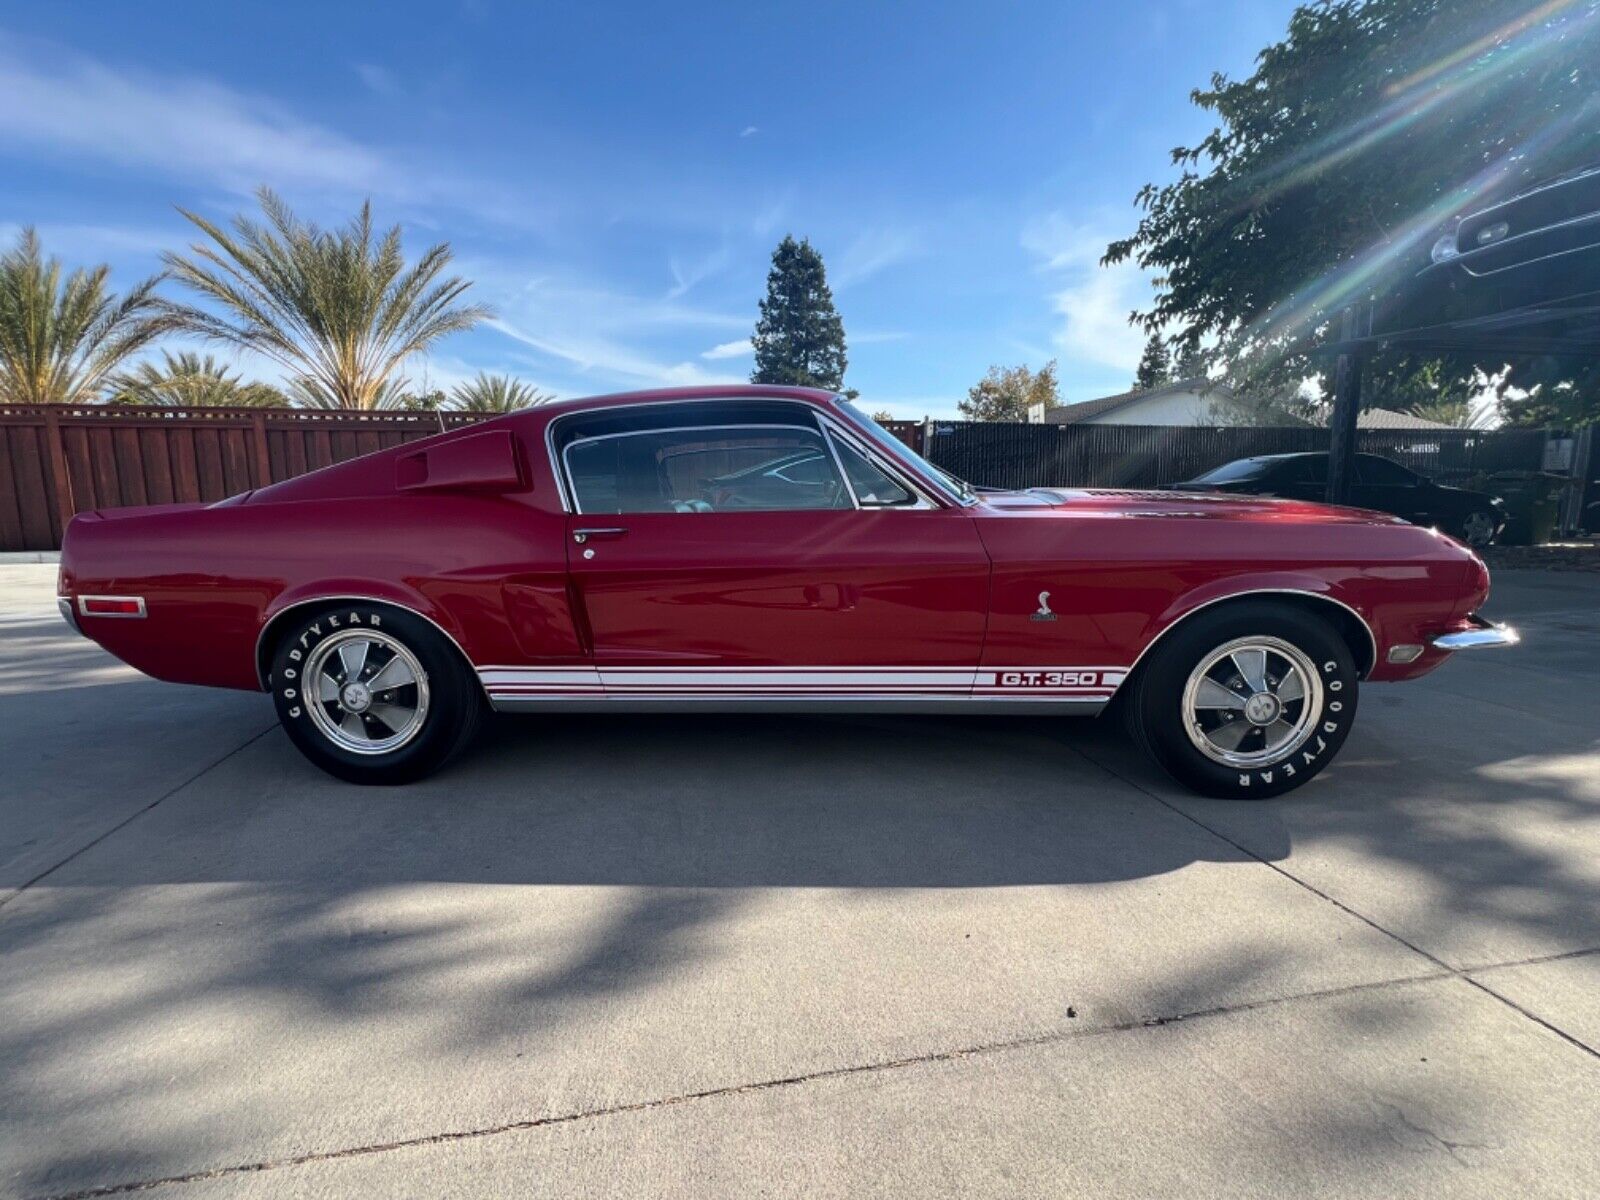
[
  {"x": 373, "y": 694},
  {"x": 1246, "y": 701}
]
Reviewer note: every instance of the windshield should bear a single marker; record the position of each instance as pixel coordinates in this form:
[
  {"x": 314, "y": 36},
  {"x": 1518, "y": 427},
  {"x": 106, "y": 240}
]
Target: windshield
[
  {"x": 893, "y": 446},
  {"x": 1244, "y": 468}
]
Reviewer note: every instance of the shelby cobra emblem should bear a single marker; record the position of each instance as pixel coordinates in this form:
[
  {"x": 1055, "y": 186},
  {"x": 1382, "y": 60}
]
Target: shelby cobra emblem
[{"x": 1044, "y": 613}]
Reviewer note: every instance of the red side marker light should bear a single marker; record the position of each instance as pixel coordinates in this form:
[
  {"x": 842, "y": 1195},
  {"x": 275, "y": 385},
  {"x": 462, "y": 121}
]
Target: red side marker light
[{"x": 111, "y": 606}]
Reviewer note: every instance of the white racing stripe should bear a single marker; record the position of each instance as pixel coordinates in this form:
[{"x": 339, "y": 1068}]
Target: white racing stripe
[{"x": 1042, "y": 682}]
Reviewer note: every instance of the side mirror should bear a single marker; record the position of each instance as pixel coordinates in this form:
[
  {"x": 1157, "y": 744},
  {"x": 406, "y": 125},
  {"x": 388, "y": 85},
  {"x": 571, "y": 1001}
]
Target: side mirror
[{"x": 479, "y": 462}]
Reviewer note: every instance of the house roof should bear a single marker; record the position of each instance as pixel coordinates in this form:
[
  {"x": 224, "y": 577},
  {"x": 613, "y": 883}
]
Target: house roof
[
  {"x": 1088, "y": 410},
  {"x": 1387, "y": 418},
  {"x": 1084, "y": 410}
]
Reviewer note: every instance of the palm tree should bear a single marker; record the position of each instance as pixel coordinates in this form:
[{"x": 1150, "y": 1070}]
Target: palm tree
[
  {"x": 60, "y": 339},
  {"x": 339, "y": 310},
  {"x": 186, "y": 379},
  {"x": 496, "y": 394}
]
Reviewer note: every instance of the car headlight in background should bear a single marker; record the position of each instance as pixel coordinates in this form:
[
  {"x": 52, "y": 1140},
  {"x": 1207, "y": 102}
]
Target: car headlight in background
[{"x": 1445, "y": 248}]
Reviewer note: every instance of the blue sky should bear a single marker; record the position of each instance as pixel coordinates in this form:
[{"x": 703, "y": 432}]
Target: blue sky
[{"x": 614, "y": 177}]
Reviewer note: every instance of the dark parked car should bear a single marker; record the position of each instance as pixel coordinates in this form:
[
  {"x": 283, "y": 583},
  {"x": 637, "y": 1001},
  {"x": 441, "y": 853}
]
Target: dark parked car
[
  {"x": 1474, "y": 517},
  {"x": 1538, "y": 248}
]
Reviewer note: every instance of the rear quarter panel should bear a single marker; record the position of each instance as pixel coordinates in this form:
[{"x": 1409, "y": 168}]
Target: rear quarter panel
[{"x": 489, "y": 570}]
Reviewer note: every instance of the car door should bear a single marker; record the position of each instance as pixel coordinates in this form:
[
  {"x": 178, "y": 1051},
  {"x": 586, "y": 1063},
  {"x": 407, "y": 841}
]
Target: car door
[
  {"x": 1388, "y": 487},
  {"x": 727, "y": 552},
  {"x": 1303, "y": 477}
]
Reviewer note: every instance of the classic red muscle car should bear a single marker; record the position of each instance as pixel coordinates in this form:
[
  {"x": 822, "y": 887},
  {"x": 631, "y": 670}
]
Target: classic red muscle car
[{"x": 765, "y": 548}]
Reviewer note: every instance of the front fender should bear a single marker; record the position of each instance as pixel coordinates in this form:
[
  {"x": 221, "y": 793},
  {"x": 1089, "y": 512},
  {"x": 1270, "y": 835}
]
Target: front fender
[{"x": 1265, "y": 584}]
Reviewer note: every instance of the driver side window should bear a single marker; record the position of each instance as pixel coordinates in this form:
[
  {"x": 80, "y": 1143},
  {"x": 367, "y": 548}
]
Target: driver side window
[{"x": 728, "y": 468}]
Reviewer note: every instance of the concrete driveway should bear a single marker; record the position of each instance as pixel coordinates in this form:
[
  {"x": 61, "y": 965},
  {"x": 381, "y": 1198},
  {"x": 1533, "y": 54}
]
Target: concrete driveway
[{"x": 799, "y": 957}]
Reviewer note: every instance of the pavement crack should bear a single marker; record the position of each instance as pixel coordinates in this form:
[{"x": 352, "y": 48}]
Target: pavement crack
[
  {"x": 957, "y": 1054},
  {"x": 1463, "y": 974},
  {"x": 134, "y": 816}
]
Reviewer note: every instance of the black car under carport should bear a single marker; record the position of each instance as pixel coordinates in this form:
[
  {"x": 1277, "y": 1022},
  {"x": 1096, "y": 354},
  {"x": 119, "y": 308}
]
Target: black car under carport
[{"x": 1380, "y": 483}]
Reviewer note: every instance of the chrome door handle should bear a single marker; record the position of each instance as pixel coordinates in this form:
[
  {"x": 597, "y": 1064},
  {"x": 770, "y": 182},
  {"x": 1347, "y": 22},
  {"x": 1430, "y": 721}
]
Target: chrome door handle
[{"x": 583, "y": 535}]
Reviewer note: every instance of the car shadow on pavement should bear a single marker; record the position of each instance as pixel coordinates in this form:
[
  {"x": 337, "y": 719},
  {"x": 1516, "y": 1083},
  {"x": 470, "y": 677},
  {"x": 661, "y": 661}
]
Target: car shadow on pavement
[{"x": 692, "y": 801}]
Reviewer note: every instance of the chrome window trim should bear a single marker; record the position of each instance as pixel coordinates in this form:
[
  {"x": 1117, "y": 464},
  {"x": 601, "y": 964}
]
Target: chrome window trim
[
  {"x": 923, "y": 501},
  {"x": 838, "y": 464},
  {"x": 945, "y": 495},
  {"x": 336, "y": 597},
  {"x": 939, "y": 494},
  {"x": 1372, "y": 639},
  {"x": 820, "y": 434},
  {"x": 567, "y": 501}
]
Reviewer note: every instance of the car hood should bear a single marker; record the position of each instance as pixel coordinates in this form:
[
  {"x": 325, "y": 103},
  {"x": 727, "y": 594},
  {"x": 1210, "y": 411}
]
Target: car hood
[{"x": 1133, "y": 503}]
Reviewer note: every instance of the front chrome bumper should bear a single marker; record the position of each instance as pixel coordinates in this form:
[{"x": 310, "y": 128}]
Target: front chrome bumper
[{"x": 1487, "y": 633}]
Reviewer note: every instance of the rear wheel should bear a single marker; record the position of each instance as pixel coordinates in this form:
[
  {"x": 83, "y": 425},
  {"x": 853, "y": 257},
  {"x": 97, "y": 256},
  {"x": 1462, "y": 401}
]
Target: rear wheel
[
  {"x": 373, "y": 694},
  {"x": 1245, "y": 701},
  {"x": 1478, "y": 527}
]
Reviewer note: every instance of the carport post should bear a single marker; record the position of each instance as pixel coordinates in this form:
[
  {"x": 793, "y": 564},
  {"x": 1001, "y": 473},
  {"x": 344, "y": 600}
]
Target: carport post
[{"x": 1346, "y": 406}]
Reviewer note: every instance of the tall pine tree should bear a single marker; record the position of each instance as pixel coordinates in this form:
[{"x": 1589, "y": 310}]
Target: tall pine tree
[
  {"x": 799, "y": 339},
  {"x": 1155, "y": 365}
]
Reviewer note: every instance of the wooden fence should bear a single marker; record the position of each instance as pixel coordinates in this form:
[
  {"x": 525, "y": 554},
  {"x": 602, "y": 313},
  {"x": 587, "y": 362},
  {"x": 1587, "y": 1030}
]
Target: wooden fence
[{"x": 56, "y": 460}]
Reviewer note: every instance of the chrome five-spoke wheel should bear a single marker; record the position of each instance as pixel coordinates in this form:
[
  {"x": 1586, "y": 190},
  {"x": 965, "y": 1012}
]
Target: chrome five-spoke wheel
[
  {"x": 365, "y": 691},
  {"x": 1252, "y": 702}
]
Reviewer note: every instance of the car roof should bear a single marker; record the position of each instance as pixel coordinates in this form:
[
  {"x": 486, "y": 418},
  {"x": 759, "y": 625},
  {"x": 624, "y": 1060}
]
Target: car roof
[{"x": 729, "y": 391}]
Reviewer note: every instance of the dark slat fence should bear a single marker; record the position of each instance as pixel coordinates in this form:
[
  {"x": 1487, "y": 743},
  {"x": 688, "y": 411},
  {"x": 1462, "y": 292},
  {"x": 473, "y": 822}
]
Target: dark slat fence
[
  {"x": 992, "y": 454},
  {"x": 57, "y": 460}
]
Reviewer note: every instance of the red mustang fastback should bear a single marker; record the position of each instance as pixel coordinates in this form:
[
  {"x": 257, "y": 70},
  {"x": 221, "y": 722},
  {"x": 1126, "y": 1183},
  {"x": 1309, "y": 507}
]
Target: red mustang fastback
[{"x": 765, "y": 548}]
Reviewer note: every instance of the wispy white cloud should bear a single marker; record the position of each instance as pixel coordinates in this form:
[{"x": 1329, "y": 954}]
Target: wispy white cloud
[
  {"x": 730, "y": 350},
  {"x": 60, "y": 103},
  {"x": 871, "y": 252},
  {"x": 1092, "y": 301},
  {"x": 581, "y": 331},
  {"x": 686, "y": 275},
  {"x": 378, "y": 80},
  {"x": 749, "y": 131},
  {"x": 74, "y": 243}
]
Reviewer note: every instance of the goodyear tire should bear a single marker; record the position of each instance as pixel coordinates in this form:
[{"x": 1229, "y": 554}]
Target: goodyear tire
[
  {"x": 373, "y": 694},
  {"x": 1245, "y": 701}
]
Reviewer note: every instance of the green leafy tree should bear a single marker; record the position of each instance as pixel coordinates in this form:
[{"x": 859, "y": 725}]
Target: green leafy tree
[
  {"x": 340, "y": 310},
  {"x": 1155, "y": 365},
  {"x": 799, "y": 338},
  {"x": 1333, "y": 167},
  {"x": 61, "y": 337},
  {"x": 496, "y": 394},
  {"x": 186, "y": 379},
  {"x": 1551, "y": 392},
  {"x": 1006, "y": 393},
  {"x": 421, "y": 402}
]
